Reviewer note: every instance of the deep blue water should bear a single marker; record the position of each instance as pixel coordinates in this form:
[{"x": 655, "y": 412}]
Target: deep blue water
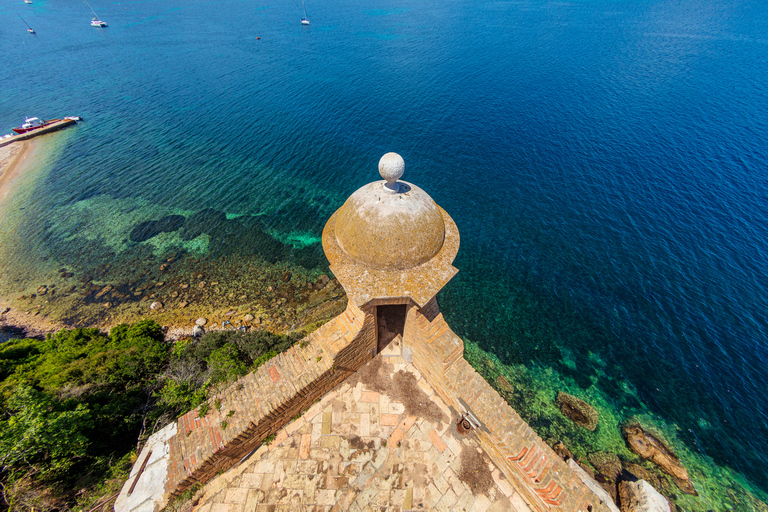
[{"x": 605, "y": 161}]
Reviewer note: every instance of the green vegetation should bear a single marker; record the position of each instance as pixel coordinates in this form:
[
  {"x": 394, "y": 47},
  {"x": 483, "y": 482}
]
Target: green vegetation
[{"x": 74, "y": 406}]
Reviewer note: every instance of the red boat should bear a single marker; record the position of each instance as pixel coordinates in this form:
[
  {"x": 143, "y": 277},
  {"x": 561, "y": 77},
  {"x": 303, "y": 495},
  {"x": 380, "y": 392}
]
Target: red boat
[{"x": 33, "y": 123}]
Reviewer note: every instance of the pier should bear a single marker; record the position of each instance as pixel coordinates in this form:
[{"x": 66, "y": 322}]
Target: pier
[{"x": 40, "y": 131}]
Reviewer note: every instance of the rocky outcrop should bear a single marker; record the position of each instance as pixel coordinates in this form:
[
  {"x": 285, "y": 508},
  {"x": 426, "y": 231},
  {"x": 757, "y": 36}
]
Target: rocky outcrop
[
  {"x": 654, "y": 449},
  {"x": 562, "y": 451},
  {"x": 593, "y": 486},
  {"x": 640, "y": 496},
  {"x": 607, "y": 464},
  {"x": 579, "y": 411}
]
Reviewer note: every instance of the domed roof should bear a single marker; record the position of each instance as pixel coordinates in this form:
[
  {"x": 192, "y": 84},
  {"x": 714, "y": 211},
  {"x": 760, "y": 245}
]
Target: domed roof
[{"x": 391, "y": 225}]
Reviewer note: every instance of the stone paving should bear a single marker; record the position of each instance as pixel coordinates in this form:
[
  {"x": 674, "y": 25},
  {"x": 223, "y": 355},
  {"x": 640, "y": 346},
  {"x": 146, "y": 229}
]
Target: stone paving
[{"x": 382, "y": 440}]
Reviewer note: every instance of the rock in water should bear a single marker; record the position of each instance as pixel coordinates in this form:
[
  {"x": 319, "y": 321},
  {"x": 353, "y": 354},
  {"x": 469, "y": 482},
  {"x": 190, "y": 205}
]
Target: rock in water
[
  {"x": 607, "y": 464},
  {"x": 201, "y": 321},
  {"x": 649, "y": 447},
  {"x": 198, "y": 331},
  {"x": 593, "y": 486},
  {"x": 640, "y": 496},
  {"x": 156, "y": 305},
  {"x": 579, "y": 411}
]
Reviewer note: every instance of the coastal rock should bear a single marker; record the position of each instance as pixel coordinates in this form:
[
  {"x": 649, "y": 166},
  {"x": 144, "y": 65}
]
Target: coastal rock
[
  {"x": 66, "y": 275},
  {"x": 156, "y": 306},
  {"x": 4, "y": 311},
  {"x": 164, "y": 267},
  {"x": 104, "y": 291},
  {"x": 654, "y": 449},
  {"x": 607, "y": 464},
  {"x": 42, "y": 289},
  {"x": 323, "y": 279},
  {"x": 183, "y": 304},
  {"x": 579, "y": 411},
  {"x": 248, "y": 318},
  {"x": 174, "y": 294},
  {"x": 640, "y": 496},
  {"x": 201, "y": 321},
  {"x": 201, "y": 284},
  {"x": 593, "y": 486},
  {"x": 562, "y": 451},
  {"x": 286, "y": 277},
  {"x": 198, "y": 331}
]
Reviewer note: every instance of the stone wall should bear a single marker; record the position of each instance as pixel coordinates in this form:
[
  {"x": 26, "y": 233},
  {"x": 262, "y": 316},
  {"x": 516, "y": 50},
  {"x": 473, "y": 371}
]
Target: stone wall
[
  {"x": 261, "y": 403},
  {"x": 543, "y": 479}
]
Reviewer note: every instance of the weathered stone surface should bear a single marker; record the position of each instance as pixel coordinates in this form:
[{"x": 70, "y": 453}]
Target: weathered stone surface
[
  {"x": 593, "y": 486},
  {"x": 654, "y": 449},
  {"x": 579, "y": 411},
  {"x": 156, "y": 306},
  {"x": 562, "y": 451},
  {"x": 607, "y": 464},
  {"x": 198, "y": 331},
  {"x": 248, "y": 318},
  {"x": 201, "y": 321},
  {"x": 640, "y": 496}
]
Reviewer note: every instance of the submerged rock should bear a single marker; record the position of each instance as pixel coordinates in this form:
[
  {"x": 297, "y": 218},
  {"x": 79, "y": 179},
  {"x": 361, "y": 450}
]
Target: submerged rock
[
  {"x": 657, "y": 451},
  {"x": 579, "y": 411},
  {"x": 562, "y": 451},
  {"x": 640, "y": 496},
  {"x": 147, "y": 229},
  {"x": 156, "y": 306}
]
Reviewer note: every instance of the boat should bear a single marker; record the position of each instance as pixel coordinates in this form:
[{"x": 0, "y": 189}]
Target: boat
[
  {"x": 96, "y": 21},
  {"x": 32, "y": 123},
  {"x": 304, "y": 20},
  {"x": 29, "y": 29},
  {"x": 27, "y": 1}
]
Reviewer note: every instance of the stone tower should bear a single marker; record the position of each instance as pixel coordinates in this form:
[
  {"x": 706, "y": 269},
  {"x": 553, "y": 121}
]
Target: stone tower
[{"x": 392, "y": 247}]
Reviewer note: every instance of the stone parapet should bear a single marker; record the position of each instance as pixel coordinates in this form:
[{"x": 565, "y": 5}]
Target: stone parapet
[
  {"x": 253, "y": 408},
  {"x": 543, "y": 479}
]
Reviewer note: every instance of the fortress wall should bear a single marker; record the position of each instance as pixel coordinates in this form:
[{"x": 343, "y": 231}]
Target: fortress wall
[
  {"x": 263, "y": 402},
  {"x": 543, "y": 479}
]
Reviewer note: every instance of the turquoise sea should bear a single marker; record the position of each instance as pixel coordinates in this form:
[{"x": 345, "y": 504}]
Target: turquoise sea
[{"x": 605, "y": 161}]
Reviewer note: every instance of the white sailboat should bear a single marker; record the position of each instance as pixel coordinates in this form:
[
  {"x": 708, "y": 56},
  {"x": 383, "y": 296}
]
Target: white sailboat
[
  {"x": 95, "y": 22},
  {"x": 29, "y": 29},
  {"x": 304, "y": 20}
]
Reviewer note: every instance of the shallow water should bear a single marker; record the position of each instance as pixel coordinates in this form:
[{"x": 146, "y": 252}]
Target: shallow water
[{"x": 604, "y": 161}]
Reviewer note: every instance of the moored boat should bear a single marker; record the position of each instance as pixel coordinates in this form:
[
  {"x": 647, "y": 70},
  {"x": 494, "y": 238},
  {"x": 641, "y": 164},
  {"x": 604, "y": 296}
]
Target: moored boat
[{"x": 33, "y": 123}]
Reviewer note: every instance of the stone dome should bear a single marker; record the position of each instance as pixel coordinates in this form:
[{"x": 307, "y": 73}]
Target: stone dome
[{"x": 390, "y": 228}]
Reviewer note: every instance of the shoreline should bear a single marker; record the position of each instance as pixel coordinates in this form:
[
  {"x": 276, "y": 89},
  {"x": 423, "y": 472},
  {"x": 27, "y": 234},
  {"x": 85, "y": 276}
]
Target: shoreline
[{"x": 14, "y": 160}]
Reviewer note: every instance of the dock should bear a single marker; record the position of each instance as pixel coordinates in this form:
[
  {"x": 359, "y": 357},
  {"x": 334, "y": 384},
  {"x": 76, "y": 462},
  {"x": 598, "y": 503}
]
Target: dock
[{"x": 40, "y": 131}]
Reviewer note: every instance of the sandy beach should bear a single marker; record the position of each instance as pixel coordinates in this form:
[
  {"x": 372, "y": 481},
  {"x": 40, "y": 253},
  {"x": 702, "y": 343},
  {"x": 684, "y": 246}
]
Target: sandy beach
[{"x": 14, "y": 159}]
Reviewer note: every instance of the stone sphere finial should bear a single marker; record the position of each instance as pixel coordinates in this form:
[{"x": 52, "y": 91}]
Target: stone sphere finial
[{"x": 391, "y": 167}]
